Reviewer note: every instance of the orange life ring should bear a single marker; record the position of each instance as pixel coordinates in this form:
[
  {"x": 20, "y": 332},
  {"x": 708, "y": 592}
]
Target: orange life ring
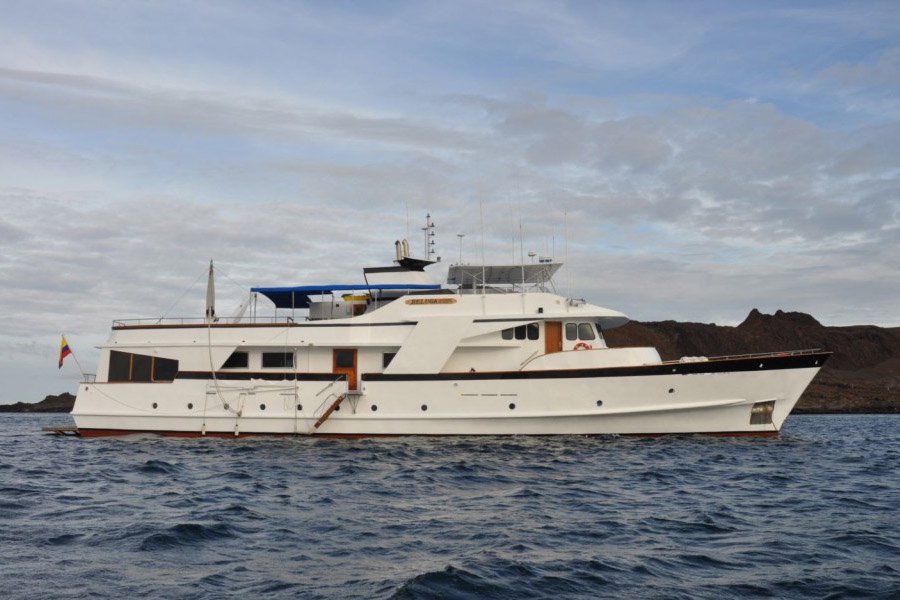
[{"x": 583, "y": 346}]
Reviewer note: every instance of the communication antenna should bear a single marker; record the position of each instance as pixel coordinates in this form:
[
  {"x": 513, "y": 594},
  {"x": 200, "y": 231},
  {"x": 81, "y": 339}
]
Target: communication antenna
[
  {"x": 566, "y": 249},
  {"x": 481, "y": 211},
  {"x": 429, "y": 237},
  {"x": 460, "y": 236},
  {"x": 522, "y": 249}
]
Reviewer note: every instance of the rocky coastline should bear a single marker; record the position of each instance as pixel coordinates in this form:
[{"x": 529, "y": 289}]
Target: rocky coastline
[{"x": 51, "y": 404}]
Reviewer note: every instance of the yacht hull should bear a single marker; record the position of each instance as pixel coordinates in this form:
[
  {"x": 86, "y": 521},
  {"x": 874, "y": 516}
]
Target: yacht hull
[{"x": 751, "y": 395}]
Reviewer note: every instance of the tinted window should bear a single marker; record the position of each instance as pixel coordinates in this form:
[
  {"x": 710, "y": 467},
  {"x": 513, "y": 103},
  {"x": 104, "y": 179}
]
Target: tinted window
[
  {"x": 520, "y": 332},
  {"x": 507, "y": 334},
  {"x": 586, "y": 331},
  {"x": 534, "y": 331},
  {"x": 140, "y": 367},
  {"x": 344, "y": 359},
  {"x": 164, "y": 369},
  {"x": 277, "y": 359},
  {"x": 571, "y": 331},
  {"x": 386, "y": 359},
  {"x": 119, "y": 366},
  {"x": 237, "y": 360}
]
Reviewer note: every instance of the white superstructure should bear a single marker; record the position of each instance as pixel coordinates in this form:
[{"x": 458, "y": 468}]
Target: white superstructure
[{"x": 499, "y": 352}]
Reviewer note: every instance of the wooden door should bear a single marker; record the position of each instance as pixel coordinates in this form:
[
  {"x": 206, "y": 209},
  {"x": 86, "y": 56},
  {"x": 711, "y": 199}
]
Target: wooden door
[
  {"x": 344, "y": 363},
  {"x": 552, "y": 337}
]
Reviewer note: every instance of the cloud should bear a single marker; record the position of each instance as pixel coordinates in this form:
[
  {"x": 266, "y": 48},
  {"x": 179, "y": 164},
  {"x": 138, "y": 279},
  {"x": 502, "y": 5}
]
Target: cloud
[{"x": 689, "y": 163}]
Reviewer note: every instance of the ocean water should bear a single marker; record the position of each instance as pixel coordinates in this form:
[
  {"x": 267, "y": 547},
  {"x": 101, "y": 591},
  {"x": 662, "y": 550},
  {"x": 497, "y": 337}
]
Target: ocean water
[{"x": 814, "y": 513}]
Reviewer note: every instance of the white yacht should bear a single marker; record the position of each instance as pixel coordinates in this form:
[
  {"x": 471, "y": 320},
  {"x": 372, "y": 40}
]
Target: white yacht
[{"x": 494, "y": 351}]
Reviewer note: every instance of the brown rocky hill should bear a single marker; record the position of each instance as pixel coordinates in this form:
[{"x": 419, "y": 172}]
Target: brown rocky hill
[
  {"x": 50, "y": 404},
  {"x": 863, "y": 375}
]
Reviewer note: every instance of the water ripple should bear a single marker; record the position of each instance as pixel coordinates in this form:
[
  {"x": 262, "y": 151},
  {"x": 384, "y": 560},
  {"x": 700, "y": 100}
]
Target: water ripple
[{"x": 811, "y": 514}]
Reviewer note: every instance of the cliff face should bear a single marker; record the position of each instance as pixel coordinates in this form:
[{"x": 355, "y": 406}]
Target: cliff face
[{"x": 863, "y": 375}]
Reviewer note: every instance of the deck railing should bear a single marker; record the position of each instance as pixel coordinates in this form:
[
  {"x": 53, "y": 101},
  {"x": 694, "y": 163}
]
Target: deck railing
[
  {"x": 149, "y": 322},
  {"x": 685, "y": 359}
]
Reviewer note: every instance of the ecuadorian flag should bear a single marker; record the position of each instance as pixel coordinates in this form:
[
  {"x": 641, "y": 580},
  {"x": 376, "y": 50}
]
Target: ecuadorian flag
[{"x": 64, "y": 351}]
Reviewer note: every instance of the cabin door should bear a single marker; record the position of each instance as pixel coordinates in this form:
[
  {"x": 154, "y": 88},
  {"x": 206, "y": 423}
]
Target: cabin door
[
  {"x": 552, "y": 337},
  {"x": 344, "y": 363}
]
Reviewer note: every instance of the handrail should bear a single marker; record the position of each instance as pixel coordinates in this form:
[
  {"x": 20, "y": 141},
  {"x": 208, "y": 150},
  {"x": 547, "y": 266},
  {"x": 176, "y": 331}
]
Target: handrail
[
  {"x": 202, "y": 321},
  {"x": 753, "y": 355}
]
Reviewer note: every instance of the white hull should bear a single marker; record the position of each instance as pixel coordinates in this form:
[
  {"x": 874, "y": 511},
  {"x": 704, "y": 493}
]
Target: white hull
[{"x": 702, "y": 401}]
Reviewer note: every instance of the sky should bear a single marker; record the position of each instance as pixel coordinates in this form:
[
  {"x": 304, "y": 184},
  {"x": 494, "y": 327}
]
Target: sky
[{"x": 688, "y": 161}]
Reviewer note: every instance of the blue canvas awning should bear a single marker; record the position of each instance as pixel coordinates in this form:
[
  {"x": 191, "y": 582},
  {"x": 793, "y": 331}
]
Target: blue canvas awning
[{"x": 298, "y": 296}]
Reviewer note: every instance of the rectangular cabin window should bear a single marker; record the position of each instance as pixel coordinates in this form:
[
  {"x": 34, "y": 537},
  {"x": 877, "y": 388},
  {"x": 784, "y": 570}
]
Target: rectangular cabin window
[
  {"x": 520, "y": 332},
  {"x": 277, "y": 359},
  {"x": 344, "y": 359},
  {"x": 141, "y": 367},
  {"x": 571, "y": 331},
  {"x": 119, "y": 366},
  {"x": 586, "y": 331},
  {"x": 386, "y": 359},
  {"x": 237, "y": 360},
  {"x": 507, "y": 334},
  {"x": 534, "y": 331},
  {"x": 164, "y": 369}
]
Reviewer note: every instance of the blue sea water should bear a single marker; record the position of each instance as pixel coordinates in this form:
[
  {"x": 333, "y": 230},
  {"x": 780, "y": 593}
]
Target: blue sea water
[{"x": 814, "y": 513}]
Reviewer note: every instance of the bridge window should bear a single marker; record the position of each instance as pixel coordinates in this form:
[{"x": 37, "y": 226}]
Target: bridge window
[
  {"x": 586, "y": 331},
  {"x": 507, "y": 334},
  {"x": 386, "y": 359}
]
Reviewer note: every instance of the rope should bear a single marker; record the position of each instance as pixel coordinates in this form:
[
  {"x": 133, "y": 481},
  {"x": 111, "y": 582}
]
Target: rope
[{"x": 190, "y": 287}]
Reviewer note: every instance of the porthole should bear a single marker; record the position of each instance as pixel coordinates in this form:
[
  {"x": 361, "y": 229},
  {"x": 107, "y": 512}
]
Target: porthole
[
  {"x": 154, "y": 405},
  {"x": 599, "y": 402},
  {"x": 512, "y": 406},
  {"x": 337, "y": 408},
  {"x": 190, "y": 405},
  {"x": 424, "y": 407},
  {"x": 225, "y": 406},
  {"x": 299, "y": 407},
  {"x": 671, "y": 390},
  {"x": 262, "y": 407},
  {"x": 374, "y": 408}
]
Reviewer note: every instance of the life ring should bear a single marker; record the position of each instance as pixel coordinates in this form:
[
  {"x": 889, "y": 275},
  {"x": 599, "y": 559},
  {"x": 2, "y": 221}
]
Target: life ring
[{"x": 583, "y": 346}]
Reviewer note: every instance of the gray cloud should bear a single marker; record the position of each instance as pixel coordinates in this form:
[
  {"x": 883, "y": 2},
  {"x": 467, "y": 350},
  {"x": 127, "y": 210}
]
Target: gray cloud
[{"x": 118, "y": 184}]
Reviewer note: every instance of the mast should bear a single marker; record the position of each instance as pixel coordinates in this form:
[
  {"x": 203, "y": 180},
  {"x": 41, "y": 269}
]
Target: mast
[{"x": 210, "y": 295}]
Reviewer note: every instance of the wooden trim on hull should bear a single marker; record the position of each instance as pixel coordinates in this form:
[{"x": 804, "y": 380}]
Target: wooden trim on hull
[{"x": 355, "y": 436}]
